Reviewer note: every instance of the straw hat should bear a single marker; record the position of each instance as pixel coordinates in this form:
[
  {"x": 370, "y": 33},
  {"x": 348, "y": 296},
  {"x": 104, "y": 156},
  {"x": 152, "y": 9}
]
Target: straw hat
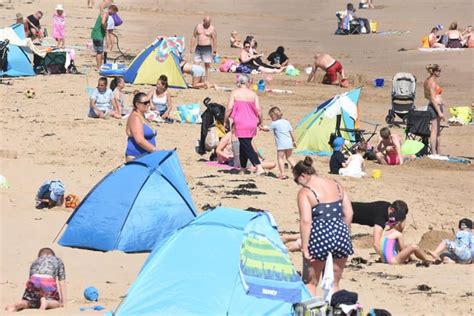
[{"x": 59, "y": 7}]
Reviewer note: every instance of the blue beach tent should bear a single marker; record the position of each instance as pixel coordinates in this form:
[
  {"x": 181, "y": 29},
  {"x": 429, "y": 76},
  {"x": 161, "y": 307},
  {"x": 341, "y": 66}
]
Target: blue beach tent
[
  {"x": 18, "y": 62},
  {"x": 133, "y": 207},
  {"x": 224, "y": 262}
]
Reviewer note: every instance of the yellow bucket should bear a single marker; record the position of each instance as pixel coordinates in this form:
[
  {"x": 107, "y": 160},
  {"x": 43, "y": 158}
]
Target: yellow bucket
[
  {"x": 425, "y": 42},
  {"x": 373, "y": 26},
  {"x": 376, "y": 173},
  {"x": 255, "y": 87}
]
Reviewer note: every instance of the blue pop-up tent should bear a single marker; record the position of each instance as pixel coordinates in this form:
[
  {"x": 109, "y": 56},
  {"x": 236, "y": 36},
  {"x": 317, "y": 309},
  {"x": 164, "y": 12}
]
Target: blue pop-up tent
[
  {"x": 133, "y": 207},
  {"x": 18, "y": 62},
  {"x": 225, "y": 262}
]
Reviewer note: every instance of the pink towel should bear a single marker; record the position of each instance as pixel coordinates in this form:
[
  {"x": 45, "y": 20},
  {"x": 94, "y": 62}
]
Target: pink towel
[{"x": 219, "y": 165}]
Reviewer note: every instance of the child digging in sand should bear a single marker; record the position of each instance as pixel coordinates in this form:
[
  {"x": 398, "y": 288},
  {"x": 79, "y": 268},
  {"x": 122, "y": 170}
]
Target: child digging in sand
[
  {"x": 284, "y": 139},
  {"x": 461, "y": 249},
  {"x": 393, "y": 249},
  {"x": 41, "y": 288}
]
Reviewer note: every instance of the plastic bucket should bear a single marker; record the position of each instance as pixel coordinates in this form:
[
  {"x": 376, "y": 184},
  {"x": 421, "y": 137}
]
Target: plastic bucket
[
  {"x": 379, "y": 82},
  {"x": 425, "y": 42},
  {"x": 373, "y": 26},
  {"x": 261, "y": 85},
  {"x": 376, "y": 173}
]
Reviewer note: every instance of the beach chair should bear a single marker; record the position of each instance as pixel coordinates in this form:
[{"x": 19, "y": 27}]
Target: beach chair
[
  {"x": 418, "y": 127},
  {"x": 403, "y": 98},
  {"x": 346, "y": 26}
]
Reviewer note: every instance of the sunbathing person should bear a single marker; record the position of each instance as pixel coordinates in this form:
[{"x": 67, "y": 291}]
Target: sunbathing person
[
  {"x": 259, "y": 61},
  {"x": 467, "y": 39},
  {"x": 434, "y": 39},
  {"x": 454, "y": 36},
  {"x": 393, "y": 249},
  {"x": 235, "y": 41},
  {"x": 332, "y": 67},
  {"x": 247, "y": 59},
  {"x": 197, "y": 72}
]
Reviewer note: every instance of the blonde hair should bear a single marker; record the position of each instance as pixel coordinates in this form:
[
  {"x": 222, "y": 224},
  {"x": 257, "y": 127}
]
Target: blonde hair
[
  {"x": 431, "y": 68},
  {"x": 453, "y": 26},
  {"x": 275, "y": 111}
]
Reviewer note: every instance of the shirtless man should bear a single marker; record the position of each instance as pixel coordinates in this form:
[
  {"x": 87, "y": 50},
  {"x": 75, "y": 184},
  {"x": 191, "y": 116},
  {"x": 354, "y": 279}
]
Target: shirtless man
[
  {"x": 331, "y": 66},
  {"x": 206, "y": 47},
  {"x": 389, "y": 148}
]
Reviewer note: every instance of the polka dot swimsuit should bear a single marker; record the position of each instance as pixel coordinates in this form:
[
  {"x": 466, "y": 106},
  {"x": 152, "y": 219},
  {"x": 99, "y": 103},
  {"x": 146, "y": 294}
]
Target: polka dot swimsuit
[{"x": 329, "y": 233}]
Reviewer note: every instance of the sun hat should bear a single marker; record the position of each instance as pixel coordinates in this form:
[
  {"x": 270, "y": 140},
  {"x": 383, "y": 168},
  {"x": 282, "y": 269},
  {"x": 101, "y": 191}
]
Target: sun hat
[
  {"x": 337, "y": 143},
  {"x": 91, "y": 294},
  {"x": 56, "y": 189},
  {"x": 59, "y": 7}
]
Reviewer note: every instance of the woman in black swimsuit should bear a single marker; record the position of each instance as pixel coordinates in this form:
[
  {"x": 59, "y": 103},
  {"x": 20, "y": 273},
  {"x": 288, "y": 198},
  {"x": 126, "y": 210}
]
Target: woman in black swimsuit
[{"x": 248, "y": 59}]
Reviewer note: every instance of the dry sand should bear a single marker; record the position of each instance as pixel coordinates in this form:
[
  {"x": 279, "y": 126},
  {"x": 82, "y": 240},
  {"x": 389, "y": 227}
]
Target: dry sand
[{"x": 51, "y": 137}]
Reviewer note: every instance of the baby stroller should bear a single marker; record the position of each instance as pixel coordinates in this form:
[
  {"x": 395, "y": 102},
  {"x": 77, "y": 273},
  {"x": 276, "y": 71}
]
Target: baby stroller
[
  {"x": 213, "y": 115},
  {"x": 403, "y": 98}
]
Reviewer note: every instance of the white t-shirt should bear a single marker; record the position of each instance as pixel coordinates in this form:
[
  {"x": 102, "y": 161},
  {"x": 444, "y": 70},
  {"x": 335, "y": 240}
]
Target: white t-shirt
[
  {"x": 103, "y": 100},
  {"x": 110, "y": 23}
]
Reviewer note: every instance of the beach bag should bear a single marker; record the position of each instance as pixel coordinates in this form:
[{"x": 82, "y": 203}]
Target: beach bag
[
  {"x": 243, "y": 69},
  {"x": 189, "y": 113},
  {"x": 225, "y": 67},
  {"x": 117, "y": 20},
  {"x": 212, "y": 139}
]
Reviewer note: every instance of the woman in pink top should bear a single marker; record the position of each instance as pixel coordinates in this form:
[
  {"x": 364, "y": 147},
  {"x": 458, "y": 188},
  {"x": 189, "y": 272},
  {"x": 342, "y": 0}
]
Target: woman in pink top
[{"x": 244, "y": 109}]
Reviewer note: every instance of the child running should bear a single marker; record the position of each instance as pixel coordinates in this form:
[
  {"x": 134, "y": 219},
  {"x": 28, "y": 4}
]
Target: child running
[
  {"x": 393, "y": 249},
  {"x": 284, "y": 139},
  {"x": 59, "y": 26}
]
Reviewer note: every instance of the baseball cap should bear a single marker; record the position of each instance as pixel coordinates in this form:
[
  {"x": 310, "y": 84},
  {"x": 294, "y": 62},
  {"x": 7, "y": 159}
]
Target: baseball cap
[
  {"x": 337, "y": 143},
  {"x": 56, "y": 189}
]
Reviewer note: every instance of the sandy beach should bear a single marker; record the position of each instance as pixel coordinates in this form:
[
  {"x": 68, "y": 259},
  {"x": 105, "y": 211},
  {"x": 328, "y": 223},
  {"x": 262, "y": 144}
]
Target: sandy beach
[{"x": 50, "y": 137}]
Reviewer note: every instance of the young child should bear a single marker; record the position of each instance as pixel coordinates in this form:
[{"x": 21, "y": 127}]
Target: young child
[
  {"x": 50, "y": 194},
  {"x": 284, "y": 139},
  {"x": 59, "y": 26},
  {"x": 235, "y": 41},
  {"x": 393, "y": 249},
  {"x": 355, "y": 163},
  {"x": 42, "y": 289},
  {"x": 338, "y": 160},
  {"x": 461, "y": 249}
]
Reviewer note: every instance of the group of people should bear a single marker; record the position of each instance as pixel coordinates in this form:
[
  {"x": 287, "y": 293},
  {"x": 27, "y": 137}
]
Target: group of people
[{"x": 453, "y": 38}]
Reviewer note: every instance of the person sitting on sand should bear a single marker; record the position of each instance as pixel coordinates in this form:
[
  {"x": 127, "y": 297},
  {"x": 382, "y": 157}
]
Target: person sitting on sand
[
  {"x": 374, "y": 214},
  {"x": 393, "y": 249},
  {"x": 366, "y": 4},
  {"x": 247, "y": 59},
  {"x": 389, "y": 148},
  {"x": 434, "y": 39},
  {"x": 467, "y": 39},
  {"x": 278, "y": 57},
  {"x": 355, "y": 164},
  {"x": 332, "y": 67},
  {"x": 337, "y": 160},
  {"x": 197, "y": 72},
  {"x": 117, "y": 85},
  {"x": 228, "y": 152},
  {"x": 454, "y": 36},
  {"x": 461, "y": 249},
  {"x": 259, "y": 61},
  {"x": 141, "y": 137},
  {"x": 50, "y": 194},
  {"x": 101, "y": 101},
  {"x": 235, "y": 41},
  {"x": 161, "y": 100},
  {"x": 42, "y": 288}
]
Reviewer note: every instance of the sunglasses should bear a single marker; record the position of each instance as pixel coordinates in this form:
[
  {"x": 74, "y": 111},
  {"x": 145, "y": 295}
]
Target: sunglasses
[
  {"x": 246, "y": 46},
  {"x": 145, "y": 103}
]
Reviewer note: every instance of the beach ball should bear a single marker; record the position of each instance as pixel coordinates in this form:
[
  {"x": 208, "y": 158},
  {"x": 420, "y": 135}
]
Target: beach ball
[
  {"x": 91, "y": 294},
  {"x": 30, "y": 93}
]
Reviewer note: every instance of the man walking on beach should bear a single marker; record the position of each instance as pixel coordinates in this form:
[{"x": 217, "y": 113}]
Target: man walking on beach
[
  {"x": 204, "y": 44},
  {"x": 332, "y": 68}
]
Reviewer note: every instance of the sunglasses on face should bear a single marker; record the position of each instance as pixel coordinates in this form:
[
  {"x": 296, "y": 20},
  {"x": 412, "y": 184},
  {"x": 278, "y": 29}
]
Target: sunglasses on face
[
  {"x": 144, "y": 102},
  {"x": 246, "y": 46}
]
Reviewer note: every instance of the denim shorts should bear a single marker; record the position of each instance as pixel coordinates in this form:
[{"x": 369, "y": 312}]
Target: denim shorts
[{"x": 98, "y": 45}]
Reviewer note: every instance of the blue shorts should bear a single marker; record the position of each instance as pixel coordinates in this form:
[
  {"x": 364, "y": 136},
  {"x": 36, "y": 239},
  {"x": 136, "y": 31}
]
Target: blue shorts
[
  {"x": 98, "y": 46},
  {"x": 197, "y": 71}
]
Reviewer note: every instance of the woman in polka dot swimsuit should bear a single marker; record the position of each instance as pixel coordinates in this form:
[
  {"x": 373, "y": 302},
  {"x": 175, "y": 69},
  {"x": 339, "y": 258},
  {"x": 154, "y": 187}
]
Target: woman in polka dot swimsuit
[{"x": 325, "y": 218}]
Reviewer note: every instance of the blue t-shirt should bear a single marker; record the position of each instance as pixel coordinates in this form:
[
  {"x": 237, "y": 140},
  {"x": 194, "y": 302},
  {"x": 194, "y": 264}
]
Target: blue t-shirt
[
  {"x": 282, "y": 130},
  {"x": 103, "y": 100}
]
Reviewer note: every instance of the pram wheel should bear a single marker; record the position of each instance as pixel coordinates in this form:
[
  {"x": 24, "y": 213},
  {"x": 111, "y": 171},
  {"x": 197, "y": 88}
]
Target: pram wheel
[
  {"x": 389, "y": 118},
  {"x": 73, "y": 70}
]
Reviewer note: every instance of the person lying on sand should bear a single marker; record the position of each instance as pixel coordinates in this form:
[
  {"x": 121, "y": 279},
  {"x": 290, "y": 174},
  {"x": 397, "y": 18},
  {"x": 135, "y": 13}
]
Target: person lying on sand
[
  {"x": 374, "y": 214},
  {"x": 393, "y": 249},
  {"x": 460, "y": 250},
  {"x": 389, "y": 148},
  {"x": 332, "y": 67},
  {"x": 42, "y": 288}
]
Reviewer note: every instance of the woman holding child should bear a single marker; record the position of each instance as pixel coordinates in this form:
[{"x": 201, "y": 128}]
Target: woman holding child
[{"x": 325, "y": 221}]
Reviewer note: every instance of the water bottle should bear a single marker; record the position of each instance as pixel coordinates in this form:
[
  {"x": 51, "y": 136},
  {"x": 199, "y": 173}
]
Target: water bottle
[{"x": 261, "y": 85}]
